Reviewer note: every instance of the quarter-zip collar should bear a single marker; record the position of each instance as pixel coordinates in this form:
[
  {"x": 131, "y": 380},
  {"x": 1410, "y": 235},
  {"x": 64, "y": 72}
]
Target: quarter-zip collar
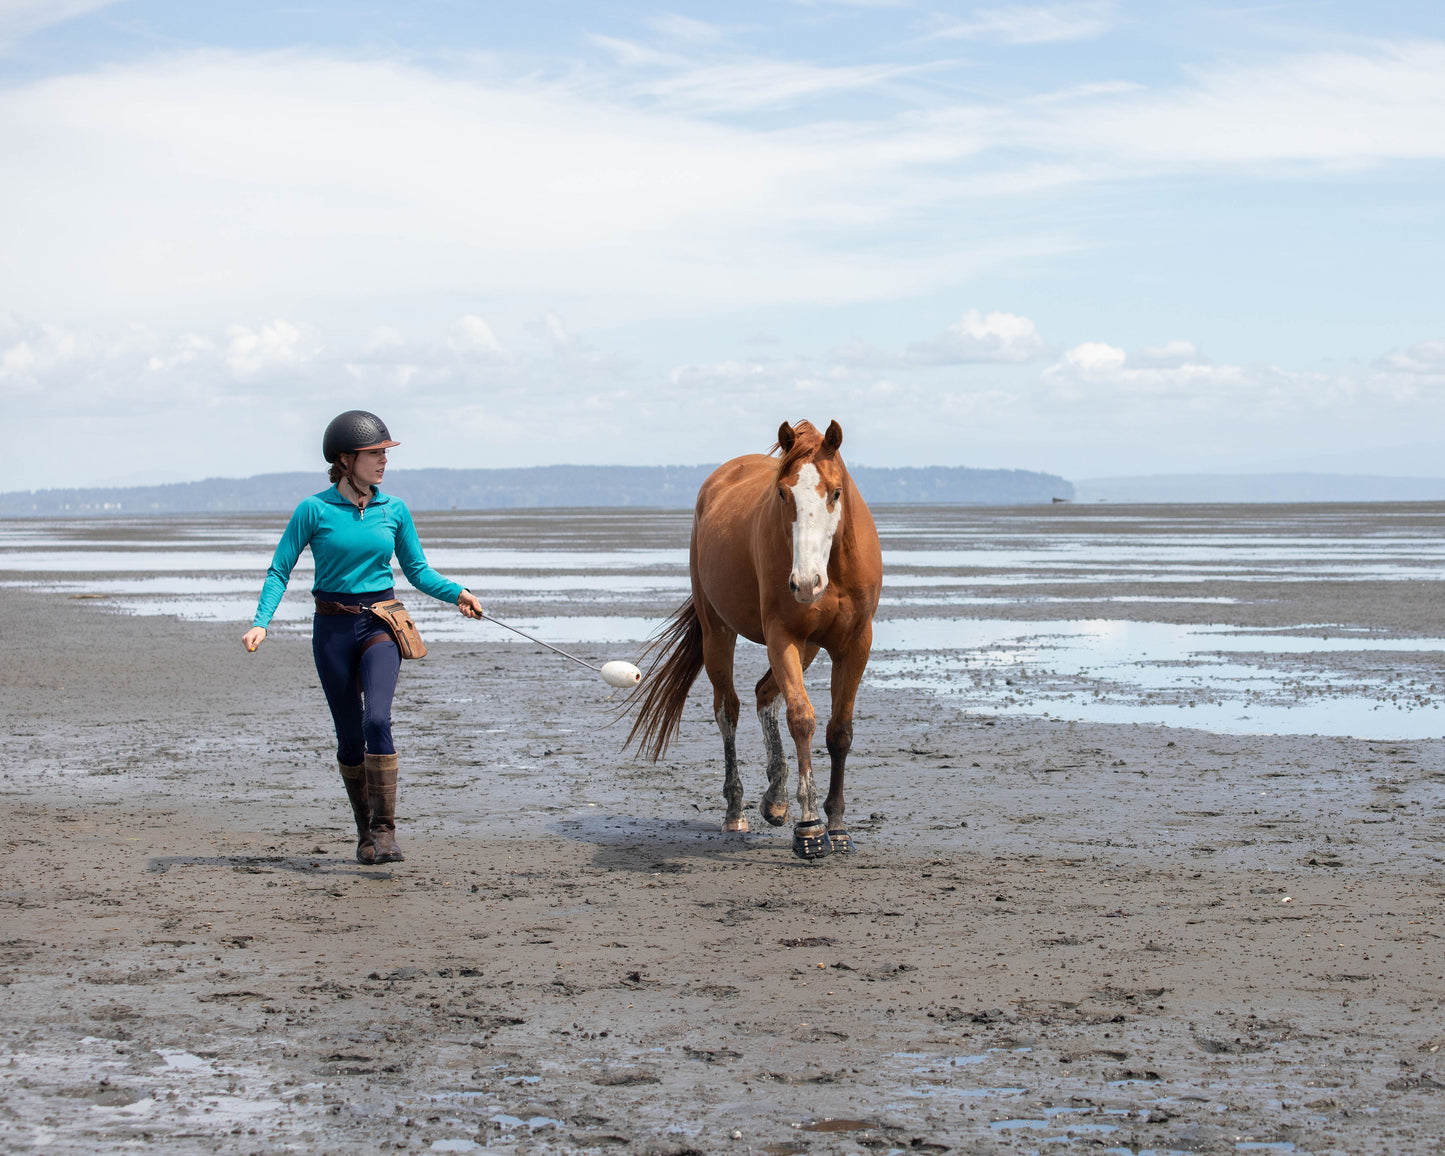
[{"x": 335, "y": 497}]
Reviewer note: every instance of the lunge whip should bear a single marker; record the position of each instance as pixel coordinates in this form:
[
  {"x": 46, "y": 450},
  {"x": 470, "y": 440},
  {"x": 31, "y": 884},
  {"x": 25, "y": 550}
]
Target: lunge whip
[{"x": 615, "y": 673}]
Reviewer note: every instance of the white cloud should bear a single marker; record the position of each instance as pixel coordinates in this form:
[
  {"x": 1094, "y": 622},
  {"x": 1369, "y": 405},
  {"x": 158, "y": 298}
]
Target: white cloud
[
  {"x": 225, "y": 181},
  {"x": 557, "y": 332},
  {"x": 738, "y": 401},
  {"x": 50, "y": 371},
  {"x": 686, "y": 29},
  {"x": 1096, "y": 371},
  {"x": 1427, "y": 359},
  {"x": 1170, "y": 355},
  {"x": 473, "y": 337},
  {"x": 1403, "y": 385},
  {"x": 32, "y": 353},
  {"x": 463, "y": 398},
  {"x": 748, "y": 85},
  {"x": 1176, "y": 373},
  {"x": 275, "y": 347},
  {"x": 976, "y": 337},
  {"x": 385, "y": 338},
  {"x": 855, "y": 3},
  {"x": 1034, "y": 23},
  {"x": 19, "y": 18},
  {"x": 1381, "y": 102},
  {"x": 235, "y": 184},
  {"x": 631, "y": 54}
]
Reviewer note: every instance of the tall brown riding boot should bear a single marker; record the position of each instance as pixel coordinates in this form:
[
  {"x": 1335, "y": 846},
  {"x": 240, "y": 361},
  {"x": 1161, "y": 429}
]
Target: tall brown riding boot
[
  {"x": 381, "y": 798},
  {"x": 355, "y": 780}
]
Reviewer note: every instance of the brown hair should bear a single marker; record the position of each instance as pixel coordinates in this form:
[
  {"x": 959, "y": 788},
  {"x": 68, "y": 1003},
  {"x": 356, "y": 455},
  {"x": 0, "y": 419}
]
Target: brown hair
[
  {"x": 337, "y": 471},
  {"x": 806, "y": 439}
]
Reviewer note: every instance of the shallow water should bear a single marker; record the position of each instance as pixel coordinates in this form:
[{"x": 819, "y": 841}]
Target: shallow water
[{"x": 934, "y": 630}]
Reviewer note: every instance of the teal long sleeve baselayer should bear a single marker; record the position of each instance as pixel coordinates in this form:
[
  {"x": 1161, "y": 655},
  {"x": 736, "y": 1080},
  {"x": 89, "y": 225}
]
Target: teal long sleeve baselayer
[{"x": 352, "y": 549}]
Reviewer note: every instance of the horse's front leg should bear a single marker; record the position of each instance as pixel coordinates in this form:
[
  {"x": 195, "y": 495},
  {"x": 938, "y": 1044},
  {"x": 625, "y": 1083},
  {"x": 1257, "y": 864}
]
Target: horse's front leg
[
  {"x": 810, "y": 835},
  {"x": 774, "y": 804},
  {"x": 847, "y": 674}
]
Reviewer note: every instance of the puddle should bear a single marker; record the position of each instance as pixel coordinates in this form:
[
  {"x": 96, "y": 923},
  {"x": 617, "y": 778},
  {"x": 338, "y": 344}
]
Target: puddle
[
  {"x": 532, "y": 1123},
  {"x": 965, "y": 1061},
  {"x": 1148, "y": 1152},
  {"x": 1078, "y": 1127},
  {"x": 1225, "y": 679},
  {"x": 985, "y": 1092},
  {"x": 1110, "y": 642},
  {"x": 141, "y": 561},
  {"x": 831, "y": 1125},
  {"x": 164, "y": 1099},
  {"x": 183, "y": 1061}
]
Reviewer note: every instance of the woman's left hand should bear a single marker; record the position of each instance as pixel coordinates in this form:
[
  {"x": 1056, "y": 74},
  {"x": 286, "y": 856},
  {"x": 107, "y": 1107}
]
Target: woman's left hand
[{"x": 470, "y": 605}]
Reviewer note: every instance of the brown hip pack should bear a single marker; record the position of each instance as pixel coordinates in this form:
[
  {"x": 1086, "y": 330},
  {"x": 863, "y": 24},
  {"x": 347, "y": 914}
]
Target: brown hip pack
[{"x": 393, "y": 616}]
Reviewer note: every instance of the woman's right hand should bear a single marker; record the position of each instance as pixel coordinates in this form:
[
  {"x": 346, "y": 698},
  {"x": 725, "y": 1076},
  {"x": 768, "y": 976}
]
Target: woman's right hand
[{"x": 253, "y": 637}]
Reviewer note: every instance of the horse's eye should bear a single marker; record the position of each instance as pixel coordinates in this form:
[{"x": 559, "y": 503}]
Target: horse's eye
[
  {"x": 782, "y": 494},
  {"x": 837, "y": 494}
]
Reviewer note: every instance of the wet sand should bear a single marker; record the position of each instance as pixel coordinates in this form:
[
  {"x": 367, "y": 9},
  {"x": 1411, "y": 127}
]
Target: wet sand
[{"x": 1053, "y": 936}]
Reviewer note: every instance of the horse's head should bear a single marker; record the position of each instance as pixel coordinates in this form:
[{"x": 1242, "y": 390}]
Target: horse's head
[{"x": 810, "y": 494}]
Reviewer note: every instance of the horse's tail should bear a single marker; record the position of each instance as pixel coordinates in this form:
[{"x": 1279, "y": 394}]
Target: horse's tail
[{"x": 663, "y": 693}]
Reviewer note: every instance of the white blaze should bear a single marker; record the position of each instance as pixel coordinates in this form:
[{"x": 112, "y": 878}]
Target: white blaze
[{"x": 813, "y": 531}]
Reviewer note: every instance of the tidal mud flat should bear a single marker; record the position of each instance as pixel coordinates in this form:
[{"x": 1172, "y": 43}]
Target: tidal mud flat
[{"x": 1056, "y": 934}]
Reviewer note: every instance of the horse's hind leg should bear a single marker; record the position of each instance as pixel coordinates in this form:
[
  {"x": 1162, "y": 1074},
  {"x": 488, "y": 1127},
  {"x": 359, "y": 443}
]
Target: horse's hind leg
[
  {"x": 774, "y": 805},
  {"x": 718, "y": 645}
]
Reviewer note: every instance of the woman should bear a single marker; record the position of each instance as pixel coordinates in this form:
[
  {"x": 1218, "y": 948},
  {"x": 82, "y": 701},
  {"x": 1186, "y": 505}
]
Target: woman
[{"x": 353, "y": 529}]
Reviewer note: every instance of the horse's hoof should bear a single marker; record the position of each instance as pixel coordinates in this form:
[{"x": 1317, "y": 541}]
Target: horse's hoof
[
  {"x": 810, "y": 841},
  {"x": 841, "y": 841},
  {"x": 735, "y": 825},
  {"x": 774, "y": 818}
]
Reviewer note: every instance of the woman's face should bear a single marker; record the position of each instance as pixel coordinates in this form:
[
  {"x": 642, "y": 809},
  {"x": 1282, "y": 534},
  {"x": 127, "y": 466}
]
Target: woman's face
[{"x": 369, "y": 467}]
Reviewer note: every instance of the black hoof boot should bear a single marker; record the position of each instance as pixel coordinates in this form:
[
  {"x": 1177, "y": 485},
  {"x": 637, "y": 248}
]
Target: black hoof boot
[
  {"x": 810, "y": 840},
  {"x": 841, "y": 842}
]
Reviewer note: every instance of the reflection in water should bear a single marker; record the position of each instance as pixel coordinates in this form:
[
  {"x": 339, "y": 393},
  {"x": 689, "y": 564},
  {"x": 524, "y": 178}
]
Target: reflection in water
[{"x": 1214, "y": 678}]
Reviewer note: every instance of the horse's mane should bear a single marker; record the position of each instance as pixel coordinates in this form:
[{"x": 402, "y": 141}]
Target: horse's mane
[{"x": 806, "y": 443}]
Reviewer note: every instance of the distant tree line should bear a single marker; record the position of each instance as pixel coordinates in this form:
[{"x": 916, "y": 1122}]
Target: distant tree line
[{"x": 536, "y": 487}]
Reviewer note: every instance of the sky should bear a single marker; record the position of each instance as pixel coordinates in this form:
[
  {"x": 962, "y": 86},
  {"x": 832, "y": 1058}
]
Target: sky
[{"x": 1093, "y": 237}]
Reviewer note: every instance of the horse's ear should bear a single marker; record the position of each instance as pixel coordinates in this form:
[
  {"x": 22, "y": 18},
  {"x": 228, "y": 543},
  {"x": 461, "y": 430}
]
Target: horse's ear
[
  {"x": 833, "y": 438},
  {"x": 786, "y": 437}
]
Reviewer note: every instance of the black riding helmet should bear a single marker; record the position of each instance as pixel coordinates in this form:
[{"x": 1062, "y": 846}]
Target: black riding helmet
[{"x": 355, "y": 430}]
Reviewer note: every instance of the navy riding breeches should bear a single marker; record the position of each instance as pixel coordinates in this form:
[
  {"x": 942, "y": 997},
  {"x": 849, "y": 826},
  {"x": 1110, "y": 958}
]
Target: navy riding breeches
[{"x": 358, "y": 675}]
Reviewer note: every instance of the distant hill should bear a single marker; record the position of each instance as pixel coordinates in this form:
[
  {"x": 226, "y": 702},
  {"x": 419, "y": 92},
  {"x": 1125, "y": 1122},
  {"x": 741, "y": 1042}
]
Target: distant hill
[
  {"x": 1261, "y": 488},
  {"x": 537, "y": 487}
]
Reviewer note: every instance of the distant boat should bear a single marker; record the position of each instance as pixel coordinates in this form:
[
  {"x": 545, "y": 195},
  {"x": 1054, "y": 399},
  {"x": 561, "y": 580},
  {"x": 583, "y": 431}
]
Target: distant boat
[{"x": 1058, "y": 500}]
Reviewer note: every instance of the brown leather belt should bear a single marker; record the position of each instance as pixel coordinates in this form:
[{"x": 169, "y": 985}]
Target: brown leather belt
[{"x": 337, "y": 608}]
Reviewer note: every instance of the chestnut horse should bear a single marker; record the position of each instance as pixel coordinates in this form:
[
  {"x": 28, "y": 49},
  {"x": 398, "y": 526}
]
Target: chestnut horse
[{"x": 785, "y": 553}]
